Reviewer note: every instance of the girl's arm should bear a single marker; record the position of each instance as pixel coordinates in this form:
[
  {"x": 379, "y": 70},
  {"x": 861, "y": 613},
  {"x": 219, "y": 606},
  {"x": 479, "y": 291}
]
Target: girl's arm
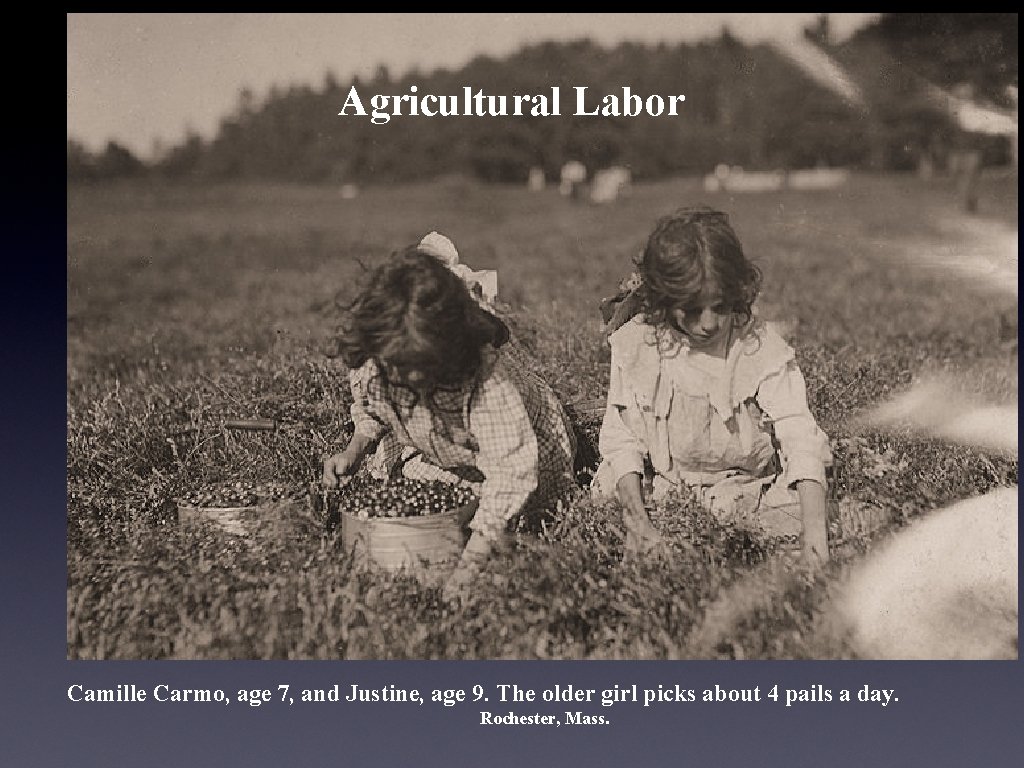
[
  {"x": 619, "y": 445},
  {"x": 507, "y": 458},
  {"x": 367, "y": 423},
  {"x": 624, "y": 452},
  {"x": 814, "y": 542},
  {"x": 367, "y": 432},
  {"x": 805, "y": 450},
  {"x": 641, "y": 535},
  {"x": 507, "y": 453}
]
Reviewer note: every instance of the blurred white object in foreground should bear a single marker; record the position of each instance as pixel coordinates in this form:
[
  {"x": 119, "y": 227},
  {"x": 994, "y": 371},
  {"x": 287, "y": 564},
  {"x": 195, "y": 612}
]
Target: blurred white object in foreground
[
  {"x": 946, "y": 586},
  {"x": 937, "y": 409}
]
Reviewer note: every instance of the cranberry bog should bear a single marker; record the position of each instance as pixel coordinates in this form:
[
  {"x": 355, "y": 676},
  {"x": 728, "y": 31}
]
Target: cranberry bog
[{"x": 190, "y": 307}]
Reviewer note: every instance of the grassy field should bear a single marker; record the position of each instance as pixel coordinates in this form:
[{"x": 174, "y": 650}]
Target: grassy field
[{"x": 190, "y": 306}]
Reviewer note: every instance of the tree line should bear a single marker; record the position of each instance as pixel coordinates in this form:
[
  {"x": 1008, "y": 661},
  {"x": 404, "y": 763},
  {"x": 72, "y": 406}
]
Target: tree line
[{"x": 746, "y": 104}]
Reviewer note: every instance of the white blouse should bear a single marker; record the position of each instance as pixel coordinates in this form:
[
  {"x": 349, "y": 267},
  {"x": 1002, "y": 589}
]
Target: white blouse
[{"x": 702, "y": 419}]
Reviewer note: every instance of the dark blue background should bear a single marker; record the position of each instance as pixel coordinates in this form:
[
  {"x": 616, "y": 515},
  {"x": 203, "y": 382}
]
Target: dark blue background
[{"x": 948, "y": 713}]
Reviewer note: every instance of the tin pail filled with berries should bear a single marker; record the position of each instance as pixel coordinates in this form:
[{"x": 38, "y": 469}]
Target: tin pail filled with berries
[
  {"x": 405, "y": 524},
  {"x": 237, "y": 507}
]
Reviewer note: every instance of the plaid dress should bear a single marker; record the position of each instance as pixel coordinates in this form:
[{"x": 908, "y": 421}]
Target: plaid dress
[{"x": 504, "y": 434}]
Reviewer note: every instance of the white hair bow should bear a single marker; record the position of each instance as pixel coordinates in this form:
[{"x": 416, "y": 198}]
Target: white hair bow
[
  {"x": 440, "y": 246},
  {"x": 484, "y": 280}
]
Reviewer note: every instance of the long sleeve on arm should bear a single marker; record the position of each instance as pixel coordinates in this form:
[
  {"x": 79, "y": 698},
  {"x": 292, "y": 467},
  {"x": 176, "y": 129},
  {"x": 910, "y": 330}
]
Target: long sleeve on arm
[
  {"x": 365, "y": 420},
  {"x": 805, "y": 449},
  {"x": 619, "y": 445},
  {"x": 508, "y": 454}
]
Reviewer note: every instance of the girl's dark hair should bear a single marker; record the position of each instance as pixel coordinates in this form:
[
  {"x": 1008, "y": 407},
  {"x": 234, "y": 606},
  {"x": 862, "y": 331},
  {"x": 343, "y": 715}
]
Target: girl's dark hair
[
  {"x": 415, "y": 313},
  {"x": 686, "y": 250}
]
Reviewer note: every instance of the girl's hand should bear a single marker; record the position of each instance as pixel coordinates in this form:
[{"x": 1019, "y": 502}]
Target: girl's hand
[
  {"x": 338, "y": 467},
  {"x": 344, "y": 464},
  {"x": 642, "y": 538},
  {"x": 456, "y": 586},
  {"x": 470, "y": 564}
]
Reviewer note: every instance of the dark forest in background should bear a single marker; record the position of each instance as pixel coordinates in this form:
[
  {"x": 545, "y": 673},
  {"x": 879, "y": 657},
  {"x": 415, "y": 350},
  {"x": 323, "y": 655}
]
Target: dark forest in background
[{"x": 745, "y": 105}]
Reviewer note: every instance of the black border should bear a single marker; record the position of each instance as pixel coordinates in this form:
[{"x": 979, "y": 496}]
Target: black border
[{"x": 948, "y": 713}]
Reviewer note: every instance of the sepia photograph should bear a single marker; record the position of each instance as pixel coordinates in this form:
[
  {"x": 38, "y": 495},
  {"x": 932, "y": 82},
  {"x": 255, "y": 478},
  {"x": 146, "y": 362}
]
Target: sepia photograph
[{"x": 553, "y": 336}]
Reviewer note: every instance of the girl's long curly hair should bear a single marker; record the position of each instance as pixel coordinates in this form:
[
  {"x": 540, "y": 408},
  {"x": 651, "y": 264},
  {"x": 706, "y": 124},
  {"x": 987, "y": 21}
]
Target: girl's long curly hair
[
  {"x": 686, "y": 250},
  {"x": 416, "y": 314}
]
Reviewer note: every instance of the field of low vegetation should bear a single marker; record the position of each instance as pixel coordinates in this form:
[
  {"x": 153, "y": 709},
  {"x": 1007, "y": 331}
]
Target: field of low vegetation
[{"x": 192, "y": 306}]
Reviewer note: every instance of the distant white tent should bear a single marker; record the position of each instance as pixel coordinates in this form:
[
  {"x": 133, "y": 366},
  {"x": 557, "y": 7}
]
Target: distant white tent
[{"x": 609, "y": 183}]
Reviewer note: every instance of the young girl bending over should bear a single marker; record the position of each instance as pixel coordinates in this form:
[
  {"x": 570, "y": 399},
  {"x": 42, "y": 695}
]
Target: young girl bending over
[
  {"x": 440, "y": 392},
  {"x": 705, "y": 396}
]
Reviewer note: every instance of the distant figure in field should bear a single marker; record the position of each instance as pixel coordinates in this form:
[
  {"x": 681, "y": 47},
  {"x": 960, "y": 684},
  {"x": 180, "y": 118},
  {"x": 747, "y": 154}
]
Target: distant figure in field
[
  {"x": 965, "y": 165},
  {"x": 707, "y": 397},
  {"x": 573, "y": 179},
  {"x": 965, "y": 161},
  {"x": 536, "y": 181}
]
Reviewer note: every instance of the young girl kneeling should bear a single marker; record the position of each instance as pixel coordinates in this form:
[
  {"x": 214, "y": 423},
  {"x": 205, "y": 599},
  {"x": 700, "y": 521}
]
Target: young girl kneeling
[
  {"x": 440, "y": 392},
  {"x": 704, "y": 395}
]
